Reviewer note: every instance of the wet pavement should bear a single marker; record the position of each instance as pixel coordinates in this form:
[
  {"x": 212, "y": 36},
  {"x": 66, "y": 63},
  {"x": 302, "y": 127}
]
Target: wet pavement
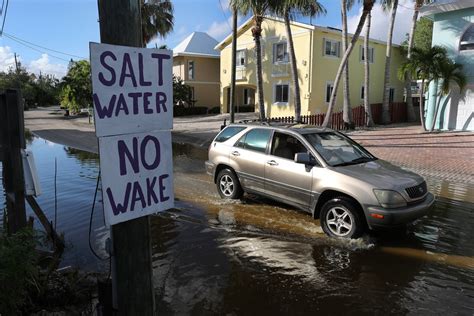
[{"x": 256, "y": 256}]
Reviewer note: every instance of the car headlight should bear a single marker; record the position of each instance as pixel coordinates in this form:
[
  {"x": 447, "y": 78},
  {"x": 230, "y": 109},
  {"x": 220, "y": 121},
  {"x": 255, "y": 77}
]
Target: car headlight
[{"x": 390, "y": 199}]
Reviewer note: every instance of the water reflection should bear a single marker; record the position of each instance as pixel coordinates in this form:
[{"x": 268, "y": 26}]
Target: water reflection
[{"x": 256, "y": 256}]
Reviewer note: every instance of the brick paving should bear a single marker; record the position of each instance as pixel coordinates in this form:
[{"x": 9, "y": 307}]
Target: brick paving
[{"x": 446, "y": 156}]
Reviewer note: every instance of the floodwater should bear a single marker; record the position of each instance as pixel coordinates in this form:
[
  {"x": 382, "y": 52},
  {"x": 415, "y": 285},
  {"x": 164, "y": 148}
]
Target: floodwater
[{"x": 259, "y": 257}]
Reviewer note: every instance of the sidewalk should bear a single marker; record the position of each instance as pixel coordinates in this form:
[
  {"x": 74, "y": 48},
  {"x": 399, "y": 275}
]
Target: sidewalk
[{"x": 446, "y": 156}]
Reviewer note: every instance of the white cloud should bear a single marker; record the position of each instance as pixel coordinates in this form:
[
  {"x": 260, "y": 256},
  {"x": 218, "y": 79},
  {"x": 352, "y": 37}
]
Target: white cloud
[
  {"x": 7, "y": 59},
  {"x": 44, "y": 66},
  {"x": 219, "y": 30},
  {"x": 380, "y": 21}
]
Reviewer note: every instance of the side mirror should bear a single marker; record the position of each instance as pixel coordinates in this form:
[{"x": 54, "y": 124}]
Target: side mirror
[{"x": 304, "y": 158}]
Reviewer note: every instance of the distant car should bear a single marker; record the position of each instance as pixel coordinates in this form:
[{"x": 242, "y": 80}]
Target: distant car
[{"x": 320, "y": 171}]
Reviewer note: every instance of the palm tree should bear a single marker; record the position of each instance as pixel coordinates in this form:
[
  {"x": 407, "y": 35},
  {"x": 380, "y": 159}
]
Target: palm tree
[
  {"x": 234, "y": 65},
  {"x": 449, "y": 72},
  {"x": 416, "y": 10},
  {"x": 424, "y": 65},
  {"x": 388, "y": 55},
  {"x": 287, "y": 9},
  {"x": 346, "y": 108},
  {"x": 157, "y": 19},
  {"x": 367, "y": 8},
  {"x": 367, "y": 108},
  {"x": 258, "y": 8}
]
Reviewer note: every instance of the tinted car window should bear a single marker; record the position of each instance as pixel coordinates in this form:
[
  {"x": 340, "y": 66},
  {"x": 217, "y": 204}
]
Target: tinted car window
[
  {"x": 256, "y": 139},
  {"x": 228, "y": 132},
  {"x": 286, "y": 146}
]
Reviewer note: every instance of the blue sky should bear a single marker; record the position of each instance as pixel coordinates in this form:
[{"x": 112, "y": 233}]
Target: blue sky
[{"x": 68, "y": 26}]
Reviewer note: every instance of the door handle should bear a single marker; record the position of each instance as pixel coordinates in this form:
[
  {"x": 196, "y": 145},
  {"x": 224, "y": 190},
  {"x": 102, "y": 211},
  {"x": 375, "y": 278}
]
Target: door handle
[
  {"x": 272, "y": 163},
  {"x": 235, "y": 153}
]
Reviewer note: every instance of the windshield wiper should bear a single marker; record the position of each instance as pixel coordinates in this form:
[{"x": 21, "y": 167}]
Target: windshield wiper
[{"x": 355, "y": 161}]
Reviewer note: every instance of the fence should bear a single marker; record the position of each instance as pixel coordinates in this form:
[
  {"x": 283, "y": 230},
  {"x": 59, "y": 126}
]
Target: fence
[{"x": 398, "y": 114}]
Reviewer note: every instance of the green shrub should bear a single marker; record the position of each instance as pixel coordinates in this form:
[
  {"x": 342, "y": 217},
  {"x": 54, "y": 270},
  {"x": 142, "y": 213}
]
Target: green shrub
[
  {"x": 18, "y": 269},
  {"x": 184, "y": 111},
  {"x": 214, "y": 110}
]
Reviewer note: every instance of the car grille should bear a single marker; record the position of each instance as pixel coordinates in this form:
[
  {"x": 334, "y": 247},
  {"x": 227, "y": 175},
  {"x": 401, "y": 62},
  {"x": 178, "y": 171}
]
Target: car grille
[{"x": 417, "y": 191}]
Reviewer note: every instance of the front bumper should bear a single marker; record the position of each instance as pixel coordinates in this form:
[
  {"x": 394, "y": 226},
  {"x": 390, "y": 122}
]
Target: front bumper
[
  {"x": 210, "y": 168},
  {"x": 378, "y": 216}
]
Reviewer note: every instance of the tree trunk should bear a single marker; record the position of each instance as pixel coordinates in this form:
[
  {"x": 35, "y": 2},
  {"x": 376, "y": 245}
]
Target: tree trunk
[
  {"x": 257, "y": 33},
  {"x": 234, "y": 53},
  {"x": 388, "y": 57},
  {"x": 422, "y": 92},
  {"x": 294, "y": 69},
  {"x": 368, "y": 110},
  {"x": 368, "y": 4},
  {"x": 436, "y": 112},
  {"x": 346, "y": 108},
  {"x": 410, "y": 110}
]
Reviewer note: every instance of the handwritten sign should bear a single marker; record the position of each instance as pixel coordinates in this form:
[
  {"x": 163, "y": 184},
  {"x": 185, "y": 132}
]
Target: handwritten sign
[
  {"x": 137, "y": 175},
  {"x": 133, "y": 106},
  {"x": 132, "y": 89}
]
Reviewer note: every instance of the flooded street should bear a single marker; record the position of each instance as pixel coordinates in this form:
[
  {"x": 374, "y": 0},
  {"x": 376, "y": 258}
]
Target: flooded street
[{"x": 256, "y": 256}]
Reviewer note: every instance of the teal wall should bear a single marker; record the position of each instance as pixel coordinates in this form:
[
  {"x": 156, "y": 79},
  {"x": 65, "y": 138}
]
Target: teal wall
[{"x": 456, "y": 110}]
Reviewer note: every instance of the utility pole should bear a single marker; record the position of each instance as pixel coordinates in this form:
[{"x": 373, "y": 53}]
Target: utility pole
[
  {"x": 16, "y": 64},
  {"x": 234, "y": 52},
  {"x": 120, "y": 24}
]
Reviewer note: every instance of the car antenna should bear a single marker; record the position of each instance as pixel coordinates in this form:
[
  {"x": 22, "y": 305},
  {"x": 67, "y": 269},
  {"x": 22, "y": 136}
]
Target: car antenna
[{"x": 223, "y": 125}]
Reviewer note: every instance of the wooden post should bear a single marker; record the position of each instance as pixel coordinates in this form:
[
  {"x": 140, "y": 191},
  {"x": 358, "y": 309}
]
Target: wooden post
[
  {"x": 13, "y": 137},
  {"x": 120, "y": 24}
]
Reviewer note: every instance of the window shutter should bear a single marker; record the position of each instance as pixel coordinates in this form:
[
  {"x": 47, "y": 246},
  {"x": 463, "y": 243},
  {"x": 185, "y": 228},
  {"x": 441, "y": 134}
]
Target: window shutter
[
  {"x": 338, "y": 49},
  {"x": 324, "y": 46}
]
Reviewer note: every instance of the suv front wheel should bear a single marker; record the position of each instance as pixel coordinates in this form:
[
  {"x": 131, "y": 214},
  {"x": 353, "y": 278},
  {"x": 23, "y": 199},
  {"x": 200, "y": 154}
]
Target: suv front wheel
[
  {"x": 228, "y": 185},
  {"x": 339, "y": 218}
]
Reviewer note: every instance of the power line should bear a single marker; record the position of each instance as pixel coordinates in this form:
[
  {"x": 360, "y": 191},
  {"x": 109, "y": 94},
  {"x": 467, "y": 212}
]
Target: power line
[
  {"x": 223, "y": 13},
  {"x": 4, "y": 15},
  {"x": 43, "y": 47},
  {"x": 33, "y": 48}
]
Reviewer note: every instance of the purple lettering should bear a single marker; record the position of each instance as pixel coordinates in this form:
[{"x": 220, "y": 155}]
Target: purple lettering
[
  {"x": 161, "y": 101},
  {"x": 146, "y": 103},
  {"x": 140, "y": 71},
  {"x": 143, "y": 145},
  {"x": 121, "y": 105},
  {"x": 135, "y": 96},
  {"x": 151, "y": 195},
  {"x": 160, "y": 58},
  {"x": 162, "y": 187},
  {"x": 104, "y": 111},
  {"x": 123, "y": 152},
  {"x": 137, "y": 196},
  {"x": 102, "y": 79},
  {"x": 119, "y": 208},
  {"x": 127, "y": 66}
]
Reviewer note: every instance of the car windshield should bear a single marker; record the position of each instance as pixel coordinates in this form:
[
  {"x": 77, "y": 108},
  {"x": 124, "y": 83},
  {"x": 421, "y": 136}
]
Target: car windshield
[{"x": 338, "y": 150}]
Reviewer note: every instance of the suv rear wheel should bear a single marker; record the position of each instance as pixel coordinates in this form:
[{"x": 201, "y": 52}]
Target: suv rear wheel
[
  {"x": 340, "y": 218},
  {"x": 228, "y": 185}
]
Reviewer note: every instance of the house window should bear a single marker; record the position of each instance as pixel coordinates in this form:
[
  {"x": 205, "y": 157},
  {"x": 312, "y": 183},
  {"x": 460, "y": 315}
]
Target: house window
[
  {"x": 362, "y": 92},
  {"x": 247, "y": 100},
  {"x": 332, "y": 48},
  {"x": 280, "y": 53},
  {"x": 467, "y": 39},
  {"x": 329, "y": 88},
  {"x": 190, "y": 70},
  {"x": 391, "y": 95},
  {"x": 281, "y": 93},
  {"x": 371, "y": 54},
  {"x": 240, "y": 58}
]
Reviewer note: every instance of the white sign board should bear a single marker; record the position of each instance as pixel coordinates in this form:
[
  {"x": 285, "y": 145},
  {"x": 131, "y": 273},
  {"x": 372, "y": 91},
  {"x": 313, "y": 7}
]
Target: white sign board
[
  {"x": 137, "y": 175},
  {"x": 132, "y": 89}
]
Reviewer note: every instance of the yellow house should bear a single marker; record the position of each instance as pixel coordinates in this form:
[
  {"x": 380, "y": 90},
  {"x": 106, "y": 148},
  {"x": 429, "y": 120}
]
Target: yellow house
[
  {"x": 197, "y": 62},
  {"x": 318, "y": 55}
]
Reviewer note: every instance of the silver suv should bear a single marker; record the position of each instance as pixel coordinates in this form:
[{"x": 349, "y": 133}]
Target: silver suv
[{"x": 320, "y": 171}]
